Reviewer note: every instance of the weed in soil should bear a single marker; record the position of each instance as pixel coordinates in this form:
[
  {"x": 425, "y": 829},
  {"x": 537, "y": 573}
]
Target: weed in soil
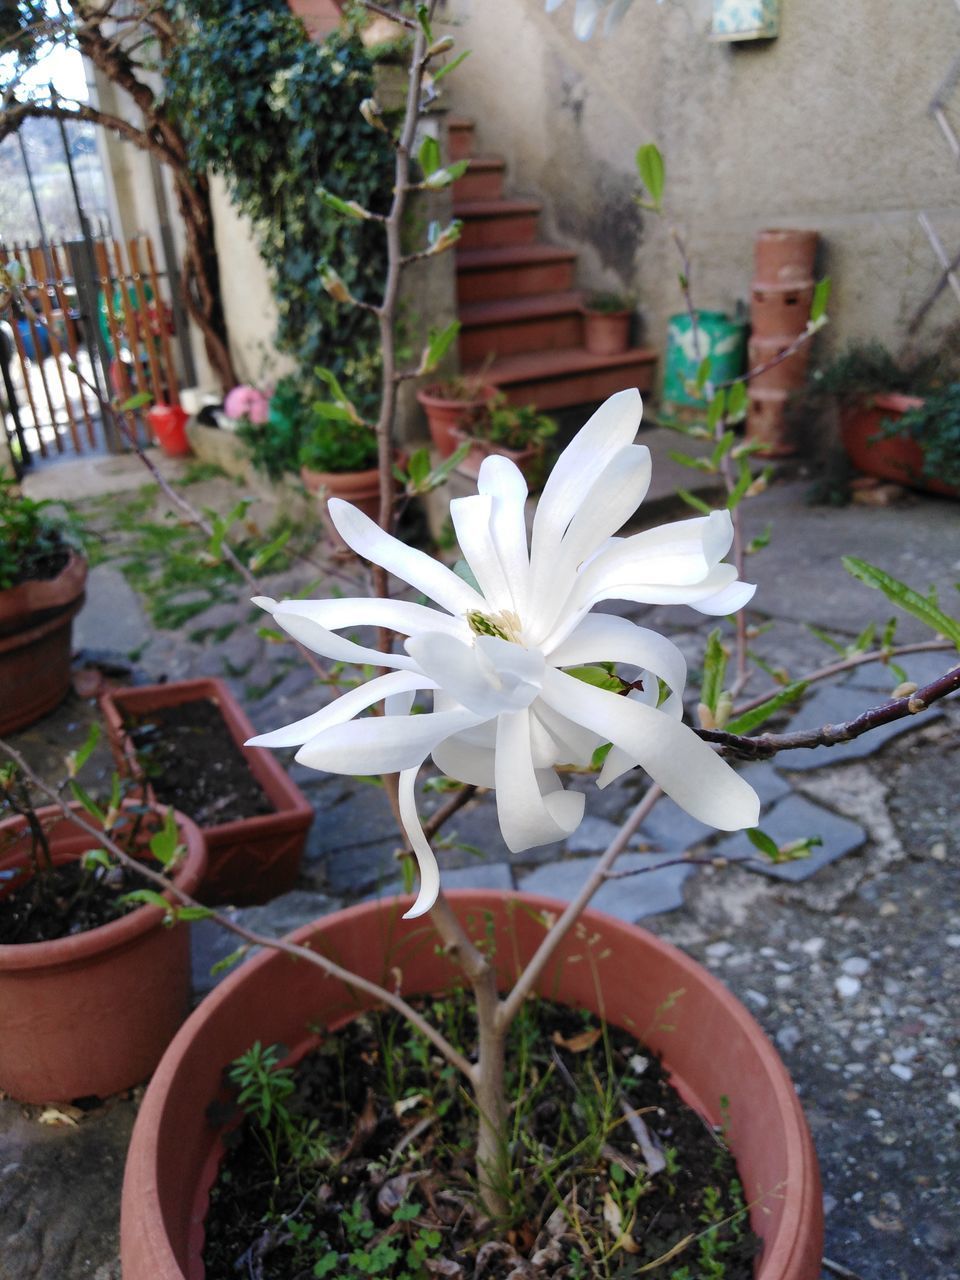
[
  {"x": 192, "y": 763},
  {"x": 358, "y": 1160}
]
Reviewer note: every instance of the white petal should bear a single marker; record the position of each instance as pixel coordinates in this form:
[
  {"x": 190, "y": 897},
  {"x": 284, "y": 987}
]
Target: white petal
[
  {"x": 429, "y": 871},
  {"x": 329, "y": 645},
  {"x": 585, "y": 18},
  {"x": 403, "y": 616},
  {"x": 382, "y": 744},
  {"x": 528, "y": 817},
  {"x": 610, "y": 429},
  {"x": 471, "y": 519},
  {"x": 489, "y": 676},
  {"x": 503, "y": 481},
  {"x": 421, "y": 571},
  {"x": 679, "y": 554},
  {"x": 698, "y": 779},
  {"x": 611, "y": 500},
  {"x": 728, "y": 600},
  {"x": 572, "y": 743},
  {"x": 460, "y": 759},
  {"x": 615, "y": 15},
  {"x": 343, "y": 709},
  {"x": 607, "y": 638},
  {"x": 552, "y": 5}
]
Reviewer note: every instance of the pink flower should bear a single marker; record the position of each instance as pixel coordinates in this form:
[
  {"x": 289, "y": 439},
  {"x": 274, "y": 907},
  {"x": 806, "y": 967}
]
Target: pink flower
[{"x": 247, "y": 402}]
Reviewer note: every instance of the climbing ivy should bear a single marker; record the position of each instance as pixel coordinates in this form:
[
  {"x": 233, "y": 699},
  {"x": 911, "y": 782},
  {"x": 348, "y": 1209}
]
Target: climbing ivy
[{"x": 279, "y": 117}]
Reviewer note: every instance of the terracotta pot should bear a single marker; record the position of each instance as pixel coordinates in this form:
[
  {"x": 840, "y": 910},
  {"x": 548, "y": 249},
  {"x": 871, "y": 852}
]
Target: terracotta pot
[
  {"x": 36, "y": 622},
  {"x": 362, "y": 488},
  {"x": 248, "y": 861},
  {"x": 712, "y": 1047},
  {"x": 445, "y": 416},
  {"x": 92, "y": 1014},
  {"x": 784, "y": 257},
  {"x": 606, "y": 333},
  {"x": 896, "y": 458},
  {"x": 529, "y": 460},
  {"x": 768, "y": 392},
  {"x": 781, "y": 311}
]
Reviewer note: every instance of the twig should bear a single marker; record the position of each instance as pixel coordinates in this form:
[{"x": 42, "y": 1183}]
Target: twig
[
  {"x": 329, "y": 967},
  {"x": 768, "y": 744}
]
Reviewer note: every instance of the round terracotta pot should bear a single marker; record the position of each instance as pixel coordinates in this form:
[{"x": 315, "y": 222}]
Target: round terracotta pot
[
  {"x": 362, "y": 488},
  {"x": 784, "y": 257},
  {"x": 36, "y": 621},
  {"x": 896, "y": 458},
  {"x": 445, "y": 416},
  {"x": 92, "y": 1014},
  {"x": 529, "y": 460},
  {"x": 710, "y": 1043},
  {"x": 606, "y": 333}
]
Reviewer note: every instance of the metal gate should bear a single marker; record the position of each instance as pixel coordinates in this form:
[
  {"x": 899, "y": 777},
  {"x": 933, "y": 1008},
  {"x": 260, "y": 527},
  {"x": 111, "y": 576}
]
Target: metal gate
[{"x": 91, "y": 322}]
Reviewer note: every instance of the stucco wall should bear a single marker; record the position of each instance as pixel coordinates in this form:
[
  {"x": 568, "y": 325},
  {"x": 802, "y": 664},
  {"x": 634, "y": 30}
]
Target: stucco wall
[{"x": 824, "y": 127}]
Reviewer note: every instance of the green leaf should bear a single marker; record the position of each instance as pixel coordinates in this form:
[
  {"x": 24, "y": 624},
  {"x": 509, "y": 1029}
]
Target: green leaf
[
  {"x": 688, "y": 460},
  {"x": 714, "y": 670},
  {"x": 905, "y": 597},
  {"x": 692, "y": 501},
  {"x": 348, "y": 208},
  {"x": 752, "y": 719},
  {"x": 97, "y": 858},
  {"x": 429, "y": 155},
  {"x": 744, "y": 481},
  {"x": 703, "y": 372},
  {"x": 229, "y": 961},
  {"x": 724, "y": 445},
  {"x": 600, "y": 755},
  {"x": 419, "y": 467},
  {"x": 760, "y": 840},
  {"x": 450, "y": 66},
  {"x": 441, "y": 471},
  {"x": 423, "y": 17},
  {"x": 77, "y": 759},
  {"x": 163, "y": 843},
  {"x": 827, "y": 639},
  {"x": 186, "y": 914},
  {"x": 87, "y": 801},
  {"x": 262, "y": 558},
  {"x": 821, "y": 296},
  {"x": 139, "y": 401},
  {"x": 760, "y": 541},
  {"x": 147, "y": 898},
  {"x": 599, "y": 677},
  {"x": 650, "y": 167},
  {"x": 439, "y": 342},
  {"x": 865, "y": 639},
  {"x": 736, "y": 401},
  {"x": 716, "y": 409}
]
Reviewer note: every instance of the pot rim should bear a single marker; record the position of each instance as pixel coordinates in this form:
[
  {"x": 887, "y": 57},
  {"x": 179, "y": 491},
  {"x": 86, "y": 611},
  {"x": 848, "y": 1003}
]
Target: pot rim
[
  {"x": 106, "y": 937},
  {"x": 428, "y": 396}
]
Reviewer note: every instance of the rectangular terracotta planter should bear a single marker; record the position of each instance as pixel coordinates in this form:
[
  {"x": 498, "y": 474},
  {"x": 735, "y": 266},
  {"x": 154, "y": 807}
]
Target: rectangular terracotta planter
[{"x": 249, "y": 861}]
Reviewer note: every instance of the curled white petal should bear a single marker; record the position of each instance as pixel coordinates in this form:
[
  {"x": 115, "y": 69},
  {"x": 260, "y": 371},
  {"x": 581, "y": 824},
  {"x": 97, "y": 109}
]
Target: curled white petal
[
  {"x": 382, "y": 744},
  {"x": 607, "y": 638},
  {"x": 487, "y": 677},
  {"x": 426, "y": 861},
  {"x": 344, "y": 708},
  {"x": 527, "y": 816},
  {"x": 472, "y": 520},
  {"x": 329, "y": 645}
]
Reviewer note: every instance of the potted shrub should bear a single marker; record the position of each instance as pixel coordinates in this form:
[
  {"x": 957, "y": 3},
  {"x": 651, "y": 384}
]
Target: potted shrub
[
  {"x": 176, "y": 1149},
  {"x": 185, "y": 742},
  {"x": 514, "y": 432},
  {"x": 606, "y": 323},
  {"x": 451, "y": 406},
  {"x": 338, "y": 456},
  {"x": 42, "y": 580},
  {"x": 87, "y": 1008},
  {"x": 899, "y": 420}
]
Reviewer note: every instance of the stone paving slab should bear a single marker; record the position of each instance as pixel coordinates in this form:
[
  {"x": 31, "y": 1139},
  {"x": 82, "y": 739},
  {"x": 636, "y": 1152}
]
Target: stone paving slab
[
  {"x": 796, "y": 818},
  {"x": 834, "y": 706},
  {"x": 631, "y": 897}
]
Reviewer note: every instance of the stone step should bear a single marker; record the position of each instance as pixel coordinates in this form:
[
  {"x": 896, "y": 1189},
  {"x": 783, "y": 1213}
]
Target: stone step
[
  {"x": 488, "y": 224},
  {"x": 514, "y": 326},
  {"x": 483, "y": 179},
  {"x": 459, "y": 137},
  {"x": 570, "y": 376},
  {"x": 513, "y": 271}
]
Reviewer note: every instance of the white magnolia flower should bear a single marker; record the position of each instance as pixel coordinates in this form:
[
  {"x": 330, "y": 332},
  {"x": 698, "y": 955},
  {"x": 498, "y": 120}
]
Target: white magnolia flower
[
  {"x": 496, "y": 656},
  {"x": 587, "y": 14}
]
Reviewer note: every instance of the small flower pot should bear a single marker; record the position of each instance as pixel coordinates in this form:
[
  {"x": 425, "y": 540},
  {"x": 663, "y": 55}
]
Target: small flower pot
[
  {"x": 92, "y": 1014},
  {"x": 896, "y": 458},
  {"x": 711, "y": 1045},
  {"x": 529, "y": 460},
  {"x": 606, "y": 333},
  {"x": 447, "y": 415},
  {"x": 36, "y": 623},
  {"x": 251, "y": 860}
]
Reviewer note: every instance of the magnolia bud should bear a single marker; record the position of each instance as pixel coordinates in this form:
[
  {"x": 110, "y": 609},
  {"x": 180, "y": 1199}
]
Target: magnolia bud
[
  {"x": 724, "y": 708},
  {"x": 705, "y": 716},
  {"x": 335, "y": 286},
  {"x": 371, "y": 113},
  {"x": 905, "y": 689},
  {"x": 440, "y": 46}
]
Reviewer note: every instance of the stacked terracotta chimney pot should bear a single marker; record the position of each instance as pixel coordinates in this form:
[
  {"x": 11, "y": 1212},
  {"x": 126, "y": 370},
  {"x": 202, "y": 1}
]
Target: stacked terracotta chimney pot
[{"x": 779, "y": 309}]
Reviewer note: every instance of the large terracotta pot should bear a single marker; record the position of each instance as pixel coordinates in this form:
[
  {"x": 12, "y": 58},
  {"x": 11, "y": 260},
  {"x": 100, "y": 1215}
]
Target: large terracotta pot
[
  {"x": 447, "y": 415},
  {"x": 896, "y": 458},
  {"x": 712, "y": 1046},
  {"x": 362, "y": 488},
  {"x": 36, "y": 623},
  {"x": 250, "y": 860},
  {"x": 92, "y": 1014}
]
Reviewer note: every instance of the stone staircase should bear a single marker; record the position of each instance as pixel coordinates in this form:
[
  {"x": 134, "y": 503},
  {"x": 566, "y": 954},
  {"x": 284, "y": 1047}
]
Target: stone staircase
[{"x": 519, "y": 311}]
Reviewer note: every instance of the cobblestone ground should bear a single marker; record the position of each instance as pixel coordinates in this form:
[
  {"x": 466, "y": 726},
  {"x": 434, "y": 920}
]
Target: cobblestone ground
[{"x": 850, "y": 959}]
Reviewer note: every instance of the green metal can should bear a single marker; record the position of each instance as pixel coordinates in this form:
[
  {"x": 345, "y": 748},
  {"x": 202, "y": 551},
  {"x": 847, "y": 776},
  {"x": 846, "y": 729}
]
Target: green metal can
[{"x": 721, "y": 337}]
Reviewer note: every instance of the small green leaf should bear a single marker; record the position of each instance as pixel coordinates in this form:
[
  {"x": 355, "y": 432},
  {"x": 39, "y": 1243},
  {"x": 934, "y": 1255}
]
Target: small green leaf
[
  {"x": 865, "y": 639},
  {"x": 600, "y": 755},
  {"x": 736, "y": 401},
  {"x": 703, "y": 372},
  {"x": 750, "y": 720},
  {"x": 692, "y": 501},
  {"x": 423, "y": 17},
  {"x": 163, "y": 843},
  {"x": 688, "y": 460},
  {"x": 724, "y": 445},
  {"x": 186, "y": 914},
  {"x": 907, "y": 599},
  {"x": 87, "y": 801},
  {"x": 744, "y": 481},
  {"x": 261, "y": 559},
  {"x": 229, "y": 961},
  {"x": 450, "y": 66},
  {"x": 77, "y": 759},
  {"x": 716, "y": 409},
  {"x": 760, "y": 541},
  {"x": 650, "y": 167},
  {"x": 139, "y": 401},
  {"x": 96, "y": 858},
  {"x": 147, "y": 898},
  {"x": 827, "y": 639},
  {"x": 598, "y": 677},
  {"x": 760, "y": 840},
  {"x": 429, "y": 155},
  {"x": 714, "y": 670},
  {"x": 821, "y": 296},
  {"x": 439, "y": 342},
  {"x": 419, "y": 467}
]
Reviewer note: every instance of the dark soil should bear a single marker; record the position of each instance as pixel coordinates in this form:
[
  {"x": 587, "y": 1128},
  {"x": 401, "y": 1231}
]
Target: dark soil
[
  {"x": 68, "y": 900},
  {"x": 383, "y": 1183},
  {"x": 192, "y": 762}
]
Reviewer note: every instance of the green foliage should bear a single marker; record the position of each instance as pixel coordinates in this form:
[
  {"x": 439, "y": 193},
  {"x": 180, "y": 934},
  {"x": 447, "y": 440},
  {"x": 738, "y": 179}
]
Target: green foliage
[
  {"x": 513, "y": 427},
  {"x": 924, "y": 608},
  {"x": 607, "y": 303},
  {"x": 279, "y": 117},
  {"x": 867, "y": 368},
  {"x": 274, "y": 445},
  {"x": 33, "y": 542},
  {"x": 338, "y": 446},
  {"x": 935, "y": 426},
  {"x": 650, "y": 169}
]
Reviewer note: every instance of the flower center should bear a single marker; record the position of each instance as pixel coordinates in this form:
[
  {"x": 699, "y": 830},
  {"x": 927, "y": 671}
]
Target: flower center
[{"x": 505, "y": 626}]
